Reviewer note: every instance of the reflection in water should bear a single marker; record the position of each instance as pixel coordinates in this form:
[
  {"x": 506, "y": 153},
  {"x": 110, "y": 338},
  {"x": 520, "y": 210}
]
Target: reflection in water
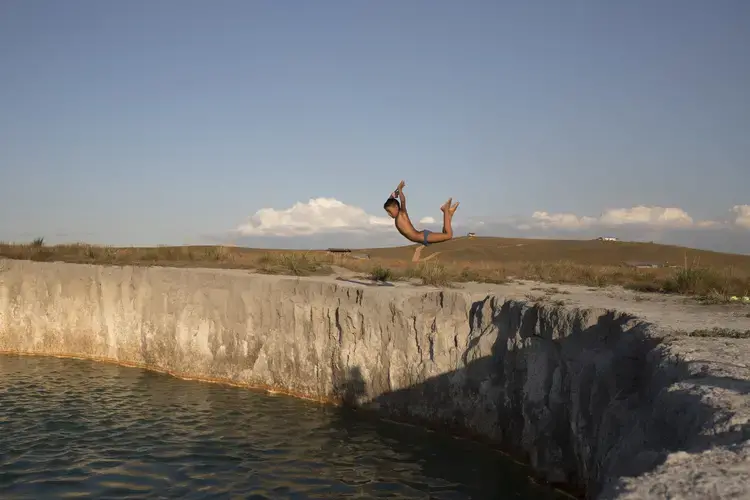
[{"x": 73, "y": 428}]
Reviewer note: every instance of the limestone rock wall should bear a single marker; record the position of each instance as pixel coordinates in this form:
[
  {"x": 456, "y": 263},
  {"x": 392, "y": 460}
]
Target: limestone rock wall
[{"x": 589, "y": 397}]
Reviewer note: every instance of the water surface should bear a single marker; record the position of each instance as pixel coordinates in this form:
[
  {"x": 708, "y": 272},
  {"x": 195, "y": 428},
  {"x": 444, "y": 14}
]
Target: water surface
[{"x": 79, "y": 429}]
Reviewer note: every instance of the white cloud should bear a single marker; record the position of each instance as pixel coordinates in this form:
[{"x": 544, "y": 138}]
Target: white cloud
[
  {"x": 708, "y": 224},
  {"x": 651, "y": 216},
  {"x": 742, "y": 217},
  {"x": 427, "y": 220},
  {"x": 640, "y": 215},
  {"x": 563, "y": 221},
  {"x": 318, "y": 215}
]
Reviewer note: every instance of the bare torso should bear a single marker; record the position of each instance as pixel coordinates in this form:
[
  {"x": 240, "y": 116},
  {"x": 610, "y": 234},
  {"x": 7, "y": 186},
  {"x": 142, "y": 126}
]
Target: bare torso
[{"x": 406, "y": 228}]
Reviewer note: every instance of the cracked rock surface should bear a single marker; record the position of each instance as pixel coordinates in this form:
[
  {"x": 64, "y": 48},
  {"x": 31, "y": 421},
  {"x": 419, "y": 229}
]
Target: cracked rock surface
[{"x": 601, "y": 392}]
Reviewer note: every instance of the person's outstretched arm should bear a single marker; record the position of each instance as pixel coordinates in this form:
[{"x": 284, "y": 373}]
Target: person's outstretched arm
[{"x": 401, "y": 196}]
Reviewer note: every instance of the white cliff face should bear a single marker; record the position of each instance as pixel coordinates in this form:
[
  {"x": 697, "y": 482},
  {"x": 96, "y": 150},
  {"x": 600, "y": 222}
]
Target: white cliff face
[{"x": 589, "y": 396}]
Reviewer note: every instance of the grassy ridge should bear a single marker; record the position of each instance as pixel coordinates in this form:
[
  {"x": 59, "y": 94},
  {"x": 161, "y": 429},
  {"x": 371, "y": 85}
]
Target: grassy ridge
[{"x": 711, "y": 275}]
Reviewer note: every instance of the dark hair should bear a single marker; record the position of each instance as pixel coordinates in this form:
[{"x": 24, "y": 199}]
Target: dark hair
[{"x": 391, "y": 202}]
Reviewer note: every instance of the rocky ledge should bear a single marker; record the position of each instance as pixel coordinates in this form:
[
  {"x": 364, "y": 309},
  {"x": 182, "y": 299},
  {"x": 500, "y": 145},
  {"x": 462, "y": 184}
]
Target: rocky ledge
[{"x": 616, "y": 394}]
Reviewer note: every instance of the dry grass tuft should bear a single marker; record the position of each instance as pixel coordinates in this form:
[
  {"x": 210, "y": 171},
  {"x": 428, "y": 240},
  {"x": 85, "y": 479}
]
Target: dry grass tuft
[
  {"x": 382, "y": 274},
  {"x": 431, "y": 273},
  {"x": 710, "y": 285},
  {"x": 294, "y": 263}
]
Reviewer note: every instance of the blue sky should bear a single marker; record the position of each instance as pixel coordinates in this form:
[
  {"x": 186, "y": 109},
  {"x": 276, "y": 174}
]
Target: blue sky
[{"x": 176, "y": 121}]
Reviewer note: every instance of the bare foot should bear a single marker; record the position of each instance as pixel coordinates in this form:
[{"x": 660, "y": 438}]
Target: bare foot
[
  {"x": 446, "y": 205},
  {"x": 452, "y": 210}
]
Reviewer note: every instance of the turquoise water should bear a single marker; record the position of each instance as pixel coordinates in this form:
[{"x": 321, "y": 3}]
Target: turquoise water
[{"x": 79, "y": 429}]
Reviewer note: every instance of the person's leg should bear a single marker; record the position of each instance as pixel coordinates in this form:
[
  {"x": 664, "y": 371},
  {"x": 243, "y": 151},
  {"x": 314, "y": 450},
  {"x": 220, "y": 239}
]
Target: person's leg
[
  {"x": 447, "y": 233},
  {"x": 417, "y": 253},
  {"x": 447, "y": 217}
]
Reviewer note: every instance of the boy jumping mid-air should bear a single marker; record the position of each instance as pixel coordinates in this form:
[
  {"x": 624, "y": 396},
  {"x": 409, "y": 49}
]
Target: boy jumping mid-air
[{"x": 397, "y": 210}]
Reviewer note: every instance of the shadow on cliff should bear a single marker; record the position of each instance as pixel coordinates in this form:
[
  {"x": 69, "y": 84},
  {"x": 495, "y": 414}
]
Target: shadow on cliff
[
  {"x": 603, "y": 401},
  {"x": 434, "y": 463}
]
